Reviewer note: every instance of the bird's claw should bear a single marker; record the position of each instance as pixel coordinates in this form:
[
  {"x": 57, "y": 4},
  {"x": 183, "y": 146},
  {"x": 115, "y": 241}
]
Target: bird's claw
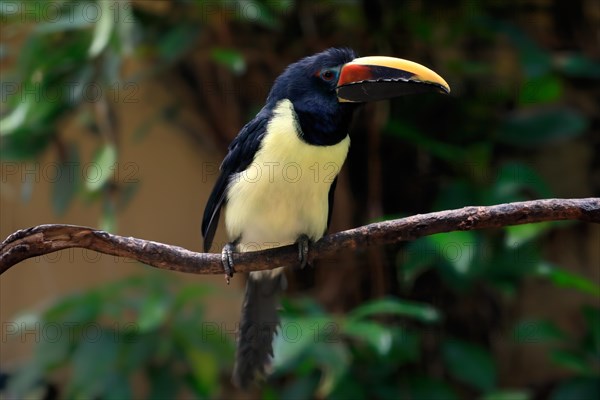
[
  {"x": 227, "y": 261},
  {"x": 303, "y": 242}
]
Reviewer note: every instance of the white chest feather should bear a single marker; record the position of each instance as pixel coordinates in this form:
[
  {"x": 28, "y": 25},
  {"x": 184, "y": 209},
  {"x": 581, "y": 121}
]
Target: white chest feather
[{"x": 284, "y": 192}]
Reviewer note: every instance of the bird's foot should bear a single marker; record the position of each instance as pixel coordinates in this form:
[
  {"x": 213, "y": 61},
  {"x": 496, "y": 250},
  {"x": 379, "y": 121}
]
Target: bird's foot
[
  {"x": 227, "y": 260},
  {"x": 303, "y": 242}
]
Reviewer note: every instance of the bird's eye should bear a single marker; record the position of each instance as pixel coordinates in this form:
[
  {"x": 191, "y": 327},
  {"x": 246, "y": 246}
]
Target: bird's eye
[{"x": 327, "y": 74}]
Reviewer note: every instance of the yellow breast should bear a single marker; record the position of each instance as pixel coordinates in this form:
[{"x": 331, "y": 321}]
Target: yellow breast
[{"x": 284, "y": 192}]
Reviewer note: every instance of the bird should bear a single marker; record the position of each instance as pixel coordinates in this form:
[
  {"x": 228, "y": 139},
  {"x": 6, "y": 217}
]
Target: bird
[{"x": 278, "y": 178}]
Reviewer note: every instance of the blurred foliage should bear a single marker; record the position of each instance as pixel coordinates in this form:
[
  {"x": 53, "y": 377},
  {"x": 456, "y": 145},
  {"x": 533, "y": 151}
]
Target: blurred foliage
[
  {"x": 383, "y": 349},
  {"x": 137, "y": 327},
  {"x": 518, "y": 92},
  {"x": 141, "y": 327}
]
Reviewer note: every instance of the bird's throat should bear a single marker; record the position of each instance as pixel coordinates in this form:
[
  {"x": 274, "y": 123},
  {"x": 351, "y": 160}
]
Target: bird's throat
[{"x": 324, "y": 128}]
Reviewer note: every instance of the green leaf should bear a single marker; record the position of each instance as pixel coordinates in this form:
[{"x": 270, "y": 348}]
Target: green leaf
[
  {"x": 51, "y": 61},
  {"x": 269, "y": 393},
  {"x": 428, "y": 253},
  {"x": 508, "y": 395},
  {"x": 126, "y": 29},
  {"x": 536, "y": 127},
  {"x": 571, "y": 360},
  {"x": 578, "y": 65},
  {"x": 384, "y": 390},
  {"x": 411, "y": 261},
  {"x": 311, "y": 342},
  {"x": 112, "y": 64},
  {"x": 419, "y": 311},
  {"x": 190, "y": 293},
  {"x": 205, "y": 371},
  {"x": 456, "y": 194},
  {"x": 512, "y": 262},
  {"x": 335, "y": 360},
  {"x": 94, "y": 360},
  {"x": 563, "y": 278},
  {"x": 411, "y": 134},
  {"x": 544, "y": 89},
  {"x": 457, "y": 248},
  {"x": 230, "y": 58},
  {"x": 15, "y": 119},
  {"x": 27, "y": 321},
  {"x": 592, "y": 339},
  {"x": 526, "y": 232},
  {"x": 578, "y": 388},
  {"x": 103, "y": 28},
  {"x": 514, "y": 180},
  {"x": 80, "y": 309},
  {"x": 350, "y": 388},
  {"x": 406, "y": 347},
  {"x": 163, "y": 384},
  {"x": 41, "y": 114},
  {"x": 298, "y": 335},
  {"x": 84, "y": 77},
  {"x": 302, "y": 307},
  {"x": 101, "y": 169},
  {"x": 255, "y": 12},
  {"x": 470, "y": 364},
  {"x": 139, "y": 350},
  {"x": 66, "y": 182},
  {"x": 302, "y": 387},
  {"x": 54, "y": 348},
  {"x": 377, "y": 336},
  {"x": 54, "y": 340},
  {"x": 154, "y": 311},
  {"x": 24, "y": 380},
  {"x": 176, "y": 41},
  {"x": 108, "y": 219},
  {"x": 73, "y": 18},
  {"x": 535, "y": 61},
  {"x": 118, "y": 387},
  {"x": 537, "y": 331}
]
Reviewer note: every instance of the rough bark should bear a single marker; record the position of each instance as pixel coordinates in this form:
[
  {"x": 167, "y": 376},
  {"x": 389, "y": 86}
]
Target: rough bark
[{"x": 44, "y": 239}]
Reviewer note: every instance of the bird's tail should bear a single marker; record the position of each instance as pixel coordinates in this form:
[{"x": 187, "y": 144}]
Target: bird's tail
[{"x": 258, "y": 325}]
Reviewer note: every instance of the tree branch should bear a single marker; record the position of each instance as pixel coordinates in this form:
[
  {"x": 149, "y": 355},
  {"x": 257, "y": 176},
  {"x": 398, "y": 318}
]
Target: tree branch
[{"x": 44, "y": 239}]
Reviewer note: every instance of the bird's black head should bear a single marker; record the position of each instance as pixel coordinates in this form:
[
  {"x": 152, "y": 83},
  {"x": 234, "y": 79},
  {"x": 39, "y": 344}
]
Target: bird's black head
[
  {"x": 325, "y": 89},
  {"x": 310, "y": 84}
]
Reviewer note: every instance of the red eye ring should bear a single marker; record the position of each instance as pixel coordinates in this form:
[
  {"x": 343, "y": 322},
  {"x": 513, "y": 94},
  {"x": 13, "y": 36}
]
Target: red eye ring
[{"x": 327, "y": 75}]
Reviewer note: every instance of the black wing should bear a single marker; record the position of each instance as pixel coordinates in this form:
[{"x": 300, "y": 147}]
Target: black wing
[
  {"x": 330, "y": 209},
  {"x": 240, "y": 155}
]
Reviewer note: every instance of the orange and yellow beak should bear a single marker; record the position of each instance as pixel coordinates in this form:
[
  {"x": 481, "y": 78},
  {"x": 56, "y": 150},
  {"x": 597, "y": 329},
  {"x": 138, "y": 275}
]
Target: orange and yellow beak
[{"x": 378, "y": 77}]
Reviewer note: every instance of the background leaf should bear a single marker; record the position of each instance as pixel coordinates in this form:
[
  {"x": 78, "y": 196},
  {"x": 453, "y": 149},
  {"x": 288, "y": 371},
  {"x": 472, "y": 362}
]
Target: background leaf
[
  {"x": 422, "y": 312},
  {"x": 508, "y": 395},
  {"x": 566, "y": 279},
  {"x": 577, "y": 388},
  {"x": 535, "y": 127},
  {"x": 230, "y": 58},
  {"x": 102, "y": 168},
  {"x": 470, "y": 364},
  {"x": 103, "y": 28}
]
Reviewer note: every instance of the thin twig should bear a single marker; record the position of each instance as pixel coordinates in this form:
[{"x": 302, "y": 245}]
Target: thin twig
[{"x": 44, "y": 239}]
